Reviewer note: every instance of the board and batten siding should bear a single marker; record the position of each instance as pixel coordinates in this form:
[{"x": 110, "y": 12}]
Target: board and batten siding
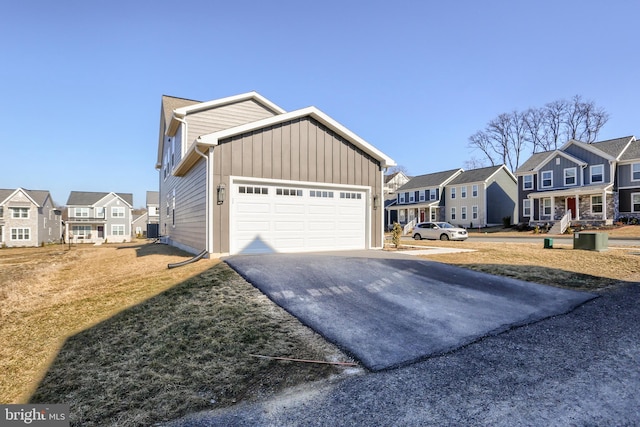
[
  {"x": 297, "y": 150},
  {"x": 224, "y": 117},
  {"x": 190, "y": 208}
]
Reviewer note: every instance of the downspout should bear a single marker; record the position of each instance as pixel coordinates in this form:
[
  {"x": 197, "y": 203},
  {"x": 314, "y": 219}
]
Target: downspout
[{"x": 208, "y": 190}]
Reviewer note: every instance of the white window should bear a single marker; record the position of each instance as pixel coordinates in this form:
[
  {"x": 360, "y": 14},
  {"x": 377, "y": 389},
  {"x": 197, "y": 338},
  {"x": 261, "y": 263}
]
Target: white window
[
  {"x": 570, "y": 175},
  {"x": 82, "y": 212},
  {"x": 474, "y": 212},
  {"x": 635, "y": 172},
  {"x": 117, "y": 212},
  {"x": 526, "y": 207},
  {"x": 453, "y": 192},
  {"x": 596, "y": 204},
  {"x": 546, "y": 207},
  {"x": 401, "y": 198},
  {"x": 453, "y": 213},
  {"x": 433, "y": 194},
  {"x": 153, "y": 211},
  {"x": 463, "y": 192},
  {"x": 351, "y": 195},
  {"x": 547, "y": 179},
  {"x": 81, "y": 230},
  {"x": 412, "y": 197},
  {"x": 527, "y": 182},
  {"x": 20, "y": 234},
  {"x": 597, "y": 173},
  {"x": 117, "y": 230},
  {"x": 19, "y": 213},
  {"x": 243, "y": 190},
  {"x": 423, "y": 195},
  {"x": 100, "y": 212},
  {"x": 635, "y": 202},
  {"x": 474, "y": 190},
  {"x": 463, "y": 212}
]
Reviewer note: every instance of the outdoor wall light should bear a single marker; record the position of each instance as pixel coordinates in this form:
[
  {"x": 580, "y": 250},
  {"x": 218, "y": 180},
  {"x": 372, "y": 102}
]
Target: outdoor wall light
[
  {"x": 221, "y": 194},
  {"x": 376, "y": 202}
]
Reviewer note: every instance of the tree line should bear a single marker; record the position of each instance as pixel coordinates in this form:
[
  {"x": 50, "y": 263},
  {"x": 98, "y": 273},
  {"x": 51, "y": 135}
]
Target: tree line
[{"x": 512, "y": 137}]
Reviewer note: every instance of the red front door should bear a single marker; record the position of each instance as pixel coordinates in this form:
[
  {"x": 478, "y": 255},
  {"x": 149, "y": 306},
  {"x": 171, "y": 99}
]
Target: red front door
[
  {"x": 571, "y": 205},
  {"x": 421, "y": 216}
]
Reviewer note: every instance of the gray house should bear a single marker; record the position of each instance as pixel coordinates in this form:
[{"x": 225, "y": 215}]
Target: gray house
[
  {"x": 95, "y": 217},
  {"x": 581, "y": 183},
  {"x": 482, "y": 197},
  {"x": 28, "y": 218},
  {"x": 242, "y": 175},
  {"x": 474, "y": 198}
]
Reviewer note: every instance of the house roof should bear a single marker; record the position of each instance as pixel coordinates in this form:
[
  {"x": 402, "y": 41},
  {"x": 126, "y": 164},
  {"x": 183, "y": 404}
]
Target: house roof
[
  {"x": 153, "y": 198},
  {"x": 39, "y": 197},
  {"x": 478, "y": 175},
  {"x": 613, "y": 148},
  {"x": 171, "y": 103},
  {"x": 390, "y": 176},
  {"x": 89, "y": 198},
  {"x": 632, "y": 152},
  {"x": 430, "y": 180},
  {"x": 212, "y": 139}
]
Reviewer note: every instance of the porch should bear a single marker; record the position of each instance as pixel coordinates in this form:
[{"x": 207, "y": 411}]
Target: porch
[
  {"x": 584, "y": 206},
  {"x": 409, "y": 215}
]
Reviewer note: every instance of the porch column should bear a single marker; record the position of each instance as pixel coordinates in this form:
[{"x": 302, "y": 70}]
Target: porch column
[
  {"x": 577, "y": 214},
  {"x": 604, "y": 205},
  {"x": 553, "y": 208}
]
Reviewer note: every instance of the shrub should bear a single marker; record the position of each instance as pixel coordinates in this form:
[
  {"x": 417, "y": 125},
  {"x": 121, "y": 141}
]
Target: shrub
[
  {"x": 506, "y": 221},
  {"x": 396, "y": 234}
]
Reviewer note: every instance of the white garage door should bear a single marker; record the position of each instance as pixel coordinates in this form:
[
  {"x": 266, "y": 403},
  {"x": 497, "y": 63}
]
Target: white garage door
[{"x": 284, "y": 218}]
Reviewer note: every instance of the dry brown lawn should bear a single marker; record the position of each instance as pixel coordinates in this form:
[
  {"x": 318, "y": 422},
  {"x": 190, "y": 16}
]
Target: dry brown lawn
[{"x": 126, "y": 341}]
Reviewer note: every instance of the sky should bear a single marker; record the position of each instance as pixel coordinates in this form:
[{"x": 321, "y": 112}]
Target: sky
[{"x": 81, "y": 81}]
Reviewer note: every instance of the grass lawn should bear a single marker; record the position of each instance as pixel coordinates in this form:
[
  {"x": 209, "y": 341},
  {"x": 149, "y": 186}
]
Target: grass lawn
[{"x": 125, "y": 341}]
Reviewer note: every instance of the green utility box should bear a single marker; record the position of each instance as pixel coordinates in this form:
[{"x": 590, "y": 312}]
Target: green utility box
[
  {"x": 548, "y": 243},
  {"x": 591, "y": 241}
]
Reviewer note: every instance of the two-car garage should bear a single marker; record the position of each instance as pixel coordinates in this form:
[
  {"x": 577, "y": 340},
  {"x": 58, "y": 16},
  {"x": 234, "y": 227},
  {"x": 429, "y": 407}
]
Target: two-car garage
[{"x": 284, "y": 217}]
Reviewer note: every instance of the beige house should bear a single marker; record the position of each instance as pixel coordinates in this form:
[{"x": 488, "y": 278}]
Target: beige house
[
  {"x": 242, "y": 175},
  {"x": 28, "y": 218}
]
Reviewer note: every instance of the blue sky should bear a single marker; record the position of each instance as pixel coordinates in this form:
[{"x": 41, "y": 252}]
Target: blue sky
[{"x": 81, "y": 81}]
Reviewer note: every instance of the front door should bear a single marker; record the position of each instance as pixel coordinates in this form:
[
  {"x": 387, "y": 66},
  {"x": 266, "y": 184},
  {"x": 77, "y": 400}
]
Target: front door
[
  {"x": 101, "y": 232},
  {"x": 571, "y": 205},
  {"x": 421, "y": 215}
]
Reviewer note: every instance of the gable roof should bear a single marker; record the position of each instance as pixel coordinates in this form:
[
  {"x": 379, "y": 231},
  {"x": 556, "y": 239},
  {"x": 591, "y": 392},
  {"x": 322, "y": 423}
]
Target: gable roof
[
  {"x": 212, "y": 139},
  {"x": 430, "y": 180},
  {"x": 632, "y": 152},
  {"x": 89, "y": 198},
  {"x": 613, "y": 147},
  {"x": 153, "y": 198},
  {"x": 38, "y": 197},
  {"x": 479, "y": 175}
]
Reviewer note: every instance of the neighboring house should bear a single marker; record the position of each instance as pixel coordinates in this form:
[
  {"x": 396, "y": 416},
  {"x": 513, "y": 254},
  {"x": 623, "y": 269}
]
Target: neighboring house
[
  {"x": 242, "y": 175},
  {"x": 28, "y": 218},
  {"x": 422, "y": 198},
  {"x": 95, "y": 217},
  {"x": 139, "y": 225},
  {"x": 153, "y": 207},
  {"x": 482, "y": 197},
  {"x": 580, "y": 183},
  {"x": 394, "y": 181}
]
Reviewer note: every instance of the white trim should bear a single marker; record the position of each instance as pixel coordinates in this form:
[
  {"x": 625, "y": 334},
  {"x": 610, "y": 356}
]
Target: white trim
[
  {"x": 591, "y": 174},
  {"x": 591, "y": 148},
  {"x": 213, "y": 138},
  {"x": 575, "y": 176},
  {"x": 194, "y": 108},
  {"x": 632, "y": 165},
  {"x": 567, "y": 156},
  {"x": 541, "y": 180},
  {"x": 523, "y": 182}
]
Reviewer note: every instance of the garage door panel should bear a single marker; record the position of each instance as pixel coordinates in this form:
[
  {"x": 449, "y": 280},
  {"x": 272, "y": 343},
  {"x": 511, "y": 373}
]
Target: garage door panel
[{"x": 269, "y": 222}]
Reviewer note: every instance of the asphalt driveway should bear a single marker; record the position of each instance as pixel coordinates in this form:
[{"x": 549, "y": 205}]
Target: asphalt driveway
[{"x": 389, "y": 310}]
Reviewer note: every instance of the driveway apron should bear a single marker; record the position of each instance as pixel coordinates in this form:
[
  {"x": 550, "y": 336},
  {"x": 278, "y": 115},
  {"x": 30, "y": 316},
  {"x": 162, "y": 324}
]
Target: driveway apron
[{"x": 389, "y": 312}]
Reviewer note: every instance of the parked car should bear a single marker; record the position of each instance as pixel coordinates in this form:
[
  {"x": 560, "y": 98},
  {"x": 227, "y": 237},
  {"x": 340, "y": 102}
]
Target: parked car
[{"x": 438, "y": 230}]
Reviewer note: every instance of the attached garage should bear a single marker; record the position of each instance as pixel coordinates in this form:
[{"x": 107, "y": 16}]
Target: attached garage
[
  {"x": 288, "y": 217},
  {"x": 286, "y": 182}
]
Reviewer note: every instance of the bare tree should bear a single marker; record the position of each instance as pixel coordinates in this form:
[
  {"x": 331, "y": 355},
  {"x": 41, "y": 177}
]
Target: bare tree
[{"x": 509, "y": 136}]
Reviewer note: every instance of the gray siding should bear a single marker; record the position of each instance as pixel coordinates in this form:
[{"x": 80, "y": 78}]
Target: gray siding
[
  {"x": 624, "y": 177},
  {"x": 224, "y": 117},
  {"x": 190, "y": 208},
  {"x": 502, "y": 194},
  {"x": 591, "y": 159},
  {"x": 299, "y": 150},
  {"x": 558, "y": 172}
]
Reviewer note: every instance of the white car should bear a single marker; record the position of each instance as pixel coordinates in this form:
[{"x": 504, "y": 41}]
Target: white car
[{"x": 438, "y": 230}]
